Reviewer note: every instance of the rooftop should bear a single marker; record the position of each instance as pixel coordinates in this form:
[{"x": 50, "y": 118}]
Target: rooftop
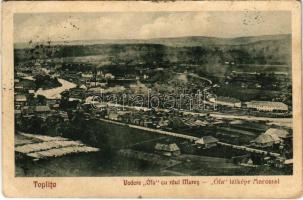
[
  {"x": 42, "y": 108},
  {"x": 281, "y": 133},
  {"x": 267, "y": 103},
  {"x": 167, "y": 147},
  {"x": 266, "y": 138},
  {"x": 20, "y": 98},
  {"x": 228, "y": 99},
  {"x": 207, "y": 140},
  {"x": 40, "y": 146}
]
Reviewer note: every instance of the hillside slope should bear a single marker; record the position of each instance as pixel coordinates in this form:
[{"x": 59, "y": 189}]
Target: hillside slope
[{"x": 196, "y": 50}]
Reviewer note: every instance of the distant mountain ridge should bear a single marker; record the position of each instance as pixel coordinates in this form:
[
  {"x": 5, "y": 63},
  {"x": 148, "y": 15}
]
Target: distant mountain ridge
[
  {"x": 274, "y": 50},
  {"x": 186, "y": 41}
]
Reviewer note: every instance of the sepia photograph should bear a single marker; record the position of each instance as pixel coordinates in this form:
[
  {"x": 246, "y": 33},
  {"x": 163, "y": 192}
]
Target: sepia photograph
[
  {"x": 144, "y": 99},
  {"x": 174, "y": 93}
]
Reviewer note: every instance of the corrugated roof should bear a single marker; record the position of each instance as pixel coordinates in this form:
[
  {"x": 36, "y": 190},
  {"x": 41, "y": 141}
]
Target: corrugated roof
[
  {"x": 42, "y": 137},
  {"x": 268, "y": 103},
  {"x": 28, "y": 148},
  {"x": 21, "y": 140},
  {"x": 62, "y": 151},
  {"x": 40, "y": 146}
]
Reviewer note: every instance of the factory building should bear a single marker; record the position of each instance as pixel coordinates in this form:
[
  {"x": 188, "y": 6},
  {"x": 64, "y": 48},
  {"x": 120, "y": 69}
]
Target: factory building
[{"x": 267, "y": 106}]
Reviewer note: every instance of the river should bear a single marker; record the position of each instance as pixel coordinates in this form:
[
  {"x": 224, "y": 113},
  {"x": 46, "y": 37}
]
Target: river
[{"x": 54, "y": 93}]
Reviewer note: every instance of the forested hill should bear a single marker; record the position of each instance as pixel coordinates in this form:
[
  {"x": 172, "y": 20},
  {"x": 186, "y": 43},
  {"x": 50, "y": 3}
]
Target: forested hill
[{"x": 274, "y": 49}]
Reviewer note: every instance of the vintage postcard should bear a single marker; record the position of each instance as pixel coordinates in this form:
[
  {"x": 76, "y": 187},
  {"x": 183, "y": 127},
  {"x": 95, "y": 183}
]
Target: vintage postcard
[{"x": 152, "y": 99}]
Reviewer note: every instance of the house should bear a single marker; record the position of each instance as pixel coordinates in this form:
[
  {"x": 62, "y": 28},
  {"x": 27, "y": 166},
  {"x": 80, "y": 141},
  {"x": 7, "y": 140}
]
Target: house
[
  {"x": 268, "y": 106},
  {"x": 280, "y": 133},
  {"x": 266, "y": 140},
  {"x": 64, "y": 115},
  {"x": 42, "y": 109},
  {"x": 27, "y": 110},
  {"x": 55, "y": 75},
  {"x": 56, "y": 106},
  {"x": 145, "y": 76},
  {"x": 148, "y": 123},
  {"x": 136, "y": 121},
  {"x": 83, "y": 87},
  {"x": 207, "y": 142},
  {"x": 18, "y": 118},
  {"x": 162, "y": 122},
  {"x": 20, "y": 100},
  {"x": 51, "y": 102},
  {"x": 74, "y": 99},
  {"x": 288, "y": 162},
  {"x": 167, "y": 149},
  {"x": 19, "y": 88},
  {"x": 78, "y": 93},
  {"x": 20, "y": 74},
  {"x": 96, "y": 84},
  {"x": 176, "y": 123},
  {"x": 113, "y": 116},
  {"x": 32, "y": 92},
  {"x": 100, "y": 74},
  {"x": 226, "y": 101},
  {"x": 87, "y": 76},
  {"x": 17, "y": 114}
]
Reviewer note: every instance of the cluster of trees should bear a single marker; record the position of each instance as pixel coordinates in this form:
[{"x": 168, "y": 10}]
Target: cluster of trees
[{"x": 46, "y": 82}]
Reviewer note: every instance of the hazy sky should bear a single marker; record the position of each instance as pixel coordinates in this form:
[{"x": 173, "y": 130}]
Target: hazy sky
[{"x": 142, "y": 25}]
